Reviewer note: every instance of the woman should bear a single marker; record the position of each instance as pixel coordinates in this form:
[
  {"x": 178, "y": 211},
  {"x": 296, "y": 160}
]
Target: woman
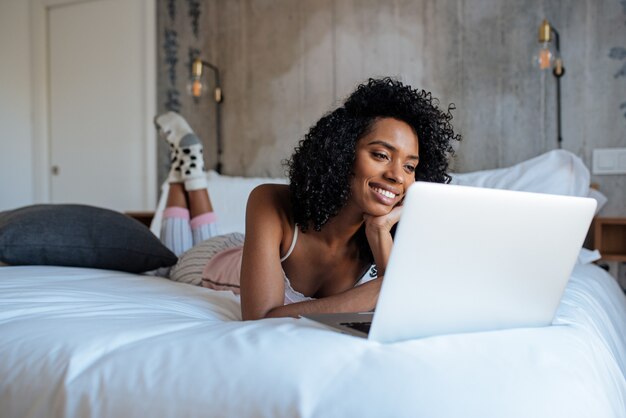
[{"x": 322, "y": 243}]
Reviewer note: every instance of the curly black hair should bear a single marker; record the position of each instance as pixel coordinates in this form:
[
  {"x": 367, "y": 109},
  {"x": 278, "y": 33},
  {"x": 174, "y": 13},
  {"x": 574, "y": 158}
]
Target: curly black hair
[{"x": 320, "y": 168}]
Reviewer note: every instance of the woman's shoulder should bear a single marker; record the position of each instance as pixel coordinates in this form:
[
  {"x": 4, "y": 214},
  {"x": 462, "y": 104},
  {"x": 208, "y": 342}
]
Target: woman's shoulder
[
  {"x": 272, "y": 197},
  {"x": 271, "y": 188},
  {"x": 269, "y": 210},
  {"x": 269, "y": 192}
]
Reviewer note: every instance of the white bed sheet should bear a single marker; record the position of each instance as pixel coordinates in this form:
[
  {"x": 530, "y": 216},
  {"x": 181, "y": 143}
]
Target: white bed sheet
[{"x": 94, "y": 343}]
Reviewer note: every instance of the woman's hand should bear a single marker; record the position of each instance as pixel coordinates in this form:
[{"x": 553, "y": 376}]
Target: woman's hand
[{"x": 381, "y": 224}]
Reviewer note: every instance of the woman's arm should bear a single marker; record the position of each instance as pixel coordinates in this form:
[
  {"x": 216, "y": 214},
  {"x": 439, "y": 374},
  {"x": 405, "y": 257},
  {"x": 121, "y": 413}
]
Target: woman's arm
[
  {"x": 378, "y": 233},
  {"x": 362, "y": 298},
  {"x": 262, "y": 284}
]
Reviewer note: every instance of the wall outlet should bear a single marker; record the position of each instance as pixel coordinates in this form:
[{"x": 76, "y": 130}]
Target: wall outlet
[{"x": 609, "y": 161}]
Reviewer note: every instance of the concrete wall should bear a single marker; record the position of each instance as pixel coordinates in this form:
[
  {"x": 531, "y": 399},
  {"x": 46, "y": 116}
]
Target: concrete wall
[{"x": 285, "y": 62}]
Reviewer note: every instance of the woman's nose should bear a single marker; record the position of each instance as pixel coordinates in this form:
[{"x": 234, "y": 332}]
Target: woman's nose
[{"x": 394, "y": 172}]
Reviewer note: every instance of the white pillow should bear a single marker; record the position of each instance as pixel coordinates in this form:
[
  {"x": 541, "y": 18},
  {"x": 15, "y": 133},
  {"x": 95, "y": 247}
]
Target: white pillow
[
  {"x": 555, "y": 172},
  {"x": 229, "y": 196}
]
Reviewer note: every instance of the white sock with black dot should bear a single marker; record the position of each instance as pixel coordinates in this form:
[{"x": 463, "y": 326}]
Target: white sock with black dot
[
  {"x": 192, "y": 162},
  {"x": 175, "y": 175},
  {"x": 186, "y": 159}
]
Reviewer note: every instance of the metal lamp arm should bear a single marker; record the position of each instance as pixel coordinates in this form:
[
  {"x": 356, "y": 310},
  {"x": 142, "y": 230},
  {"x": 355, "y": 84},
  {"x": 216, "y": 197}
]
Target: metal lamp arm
[
  {"x": 218, "y": 113},
  {"x": 559, "y": 69},
  {"x": 216, "y": 72}
]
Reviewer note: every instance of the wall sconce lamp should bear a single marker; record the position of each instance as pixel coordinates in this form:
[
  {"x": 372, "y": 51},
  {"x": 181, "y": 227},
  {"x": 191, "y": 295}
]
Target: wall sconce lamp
[
  {"x": 198, "y": 87},
  {"x": 549, "y": 57}
]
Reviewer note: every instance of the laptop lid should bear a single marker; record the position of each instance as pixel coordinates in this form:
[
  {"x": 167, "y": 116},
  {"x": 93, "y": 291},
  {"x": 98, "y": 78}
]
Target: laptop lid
[{"x": 471, "y": 259}]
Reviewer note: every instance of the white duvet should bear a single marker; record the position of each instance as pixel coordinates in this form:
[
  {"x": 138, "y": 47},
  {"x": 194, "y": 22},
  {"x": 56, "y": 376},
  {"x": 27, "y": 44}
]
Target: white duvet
[{"x": 94, "y": 343}]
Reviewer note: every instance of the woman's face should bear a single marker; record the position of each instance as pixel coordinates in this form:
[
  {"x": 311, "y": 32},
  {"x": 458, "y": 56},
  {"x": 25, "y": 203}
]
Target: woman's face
[{"x": 384, "y": 167}]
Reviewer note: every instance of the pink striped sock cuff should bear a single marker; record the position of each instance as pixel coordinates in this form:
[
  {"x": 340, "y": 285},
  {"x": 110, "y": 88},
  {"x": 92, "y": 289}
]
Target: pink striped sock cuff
[
  {"x": 204, "y": 219},
  {"x": 176, "y": 212}
]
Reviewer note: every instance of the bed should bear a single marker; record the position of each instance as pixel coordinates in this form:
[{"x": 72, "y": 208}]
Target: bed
[{"x": 85, "y": 342}]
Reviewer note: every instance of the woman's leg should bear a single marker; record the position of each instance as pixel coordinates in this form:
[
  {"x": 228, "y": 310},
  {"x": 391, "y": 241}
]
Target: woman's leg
[
  {"x": 175, "y": 228},
  {"x": 203, "y": 218},
  {"x": 187, "y": 172}
]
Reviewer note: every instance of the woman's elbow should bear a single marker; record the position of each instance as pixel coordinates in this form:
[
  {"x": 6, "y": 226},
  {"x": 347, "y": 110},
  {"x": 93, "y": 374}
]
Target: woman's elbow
[
  {"x": 251, "y": 315},
  {"x": 254, "y": 314},
  {"x": 261, "y": 314}
]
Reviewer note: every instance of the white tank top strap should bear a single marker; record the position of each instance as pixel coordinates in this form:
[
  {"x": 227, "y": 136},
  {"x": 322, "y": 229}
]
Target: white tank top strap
[
  {"x": 293, "y": 244},
  {"x": 370, "y": 274}
]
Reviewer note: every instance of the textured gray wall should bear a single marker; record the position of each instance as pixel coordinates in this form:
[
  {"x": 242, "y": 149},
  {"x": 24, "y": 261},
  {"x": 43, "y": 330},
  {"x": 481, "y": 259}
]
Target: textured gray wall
[{"x": 286, "y": 62}]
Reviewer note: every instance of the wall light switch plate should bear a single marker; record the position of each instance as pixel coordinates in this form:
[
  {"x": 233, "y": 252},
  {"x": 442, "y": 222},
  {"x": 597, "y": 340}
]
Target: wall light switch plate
[{"x": 609, "y": 161}]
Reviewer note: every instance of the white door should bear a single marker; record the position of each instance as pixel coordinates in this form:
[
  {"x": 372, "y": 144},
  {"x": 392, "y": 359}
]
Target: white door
[{"x": 101, "y": 149}]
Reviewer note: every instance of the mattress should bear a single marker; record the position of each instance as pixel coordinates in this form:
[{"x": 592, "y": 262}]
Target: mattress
[{"x": 78, "y": 342}]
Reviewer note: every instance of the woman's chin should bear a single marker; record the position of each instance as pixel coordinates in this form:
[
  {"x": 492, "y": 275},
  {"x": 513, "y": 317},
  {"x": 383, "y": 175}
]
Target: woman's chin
[{"x": 378, "y": 210}]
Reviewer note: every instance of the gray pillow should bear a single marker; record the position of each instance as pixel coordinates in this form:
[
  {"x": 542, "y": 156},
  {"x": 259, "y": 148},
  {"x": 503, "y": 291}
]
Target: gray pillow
[{"x": 79, "y": 236}]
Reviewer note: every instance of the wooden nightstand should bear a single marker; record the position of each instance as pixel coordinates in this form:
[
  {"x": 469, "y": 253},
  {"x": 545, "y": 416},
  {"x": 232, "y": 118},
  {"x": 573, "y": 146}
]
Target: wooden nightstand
[
  {"x": 143, "y": 217},
  {"x": 609, "y": 237}
]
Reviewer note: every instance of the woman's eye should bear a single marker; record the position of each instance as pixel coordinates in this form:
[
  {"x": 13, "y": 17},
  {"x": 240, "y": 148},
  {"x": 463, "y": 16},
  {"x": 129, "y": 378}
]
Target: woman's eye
[
  {"x": 410, "y": 168},
  {"x": 380, "y": 155}
]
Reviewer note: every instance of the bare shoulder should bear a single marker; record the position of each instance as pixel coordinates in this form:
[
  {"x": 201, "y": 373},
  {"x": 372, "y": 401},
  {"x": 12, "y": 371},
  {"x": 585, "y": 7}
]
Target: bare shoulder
[
  {"x": 271, "y": 190},
  {"x": 271, "y": 199}
]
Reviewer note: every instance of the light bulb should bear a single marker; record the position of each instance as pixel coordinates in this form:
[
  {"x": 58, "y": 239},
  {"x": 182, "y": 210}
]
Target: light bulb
[
  {"x": 545, "y": 57},
  {"x": 197, "y": 86}
]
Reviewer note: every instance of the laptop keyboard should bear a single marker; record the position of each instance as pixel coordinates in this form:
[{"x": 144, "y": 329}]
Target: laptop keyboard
[{"x": 359, "y": 326}]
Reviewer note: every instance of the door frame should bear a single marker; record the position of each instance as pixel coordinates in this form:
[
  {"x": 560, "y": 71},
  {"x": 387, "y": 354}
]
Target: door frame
[{"x": 40, "y": 69}]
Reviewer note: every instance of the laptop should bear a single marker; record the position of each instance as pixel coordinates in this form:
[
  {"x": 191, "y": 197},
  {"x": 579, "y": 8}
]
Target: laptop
[{"x": 470, "y": 259}]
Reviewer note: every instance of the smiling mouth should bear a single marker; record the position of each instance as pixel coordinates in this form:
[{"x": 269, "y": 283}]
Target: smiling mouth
[{"x": 386, "y": 193}]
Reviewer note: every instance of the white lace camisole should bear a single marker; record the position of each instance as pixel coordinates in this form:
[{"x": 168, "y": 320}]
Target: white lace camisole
[{"x": 292, "y": 295}]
